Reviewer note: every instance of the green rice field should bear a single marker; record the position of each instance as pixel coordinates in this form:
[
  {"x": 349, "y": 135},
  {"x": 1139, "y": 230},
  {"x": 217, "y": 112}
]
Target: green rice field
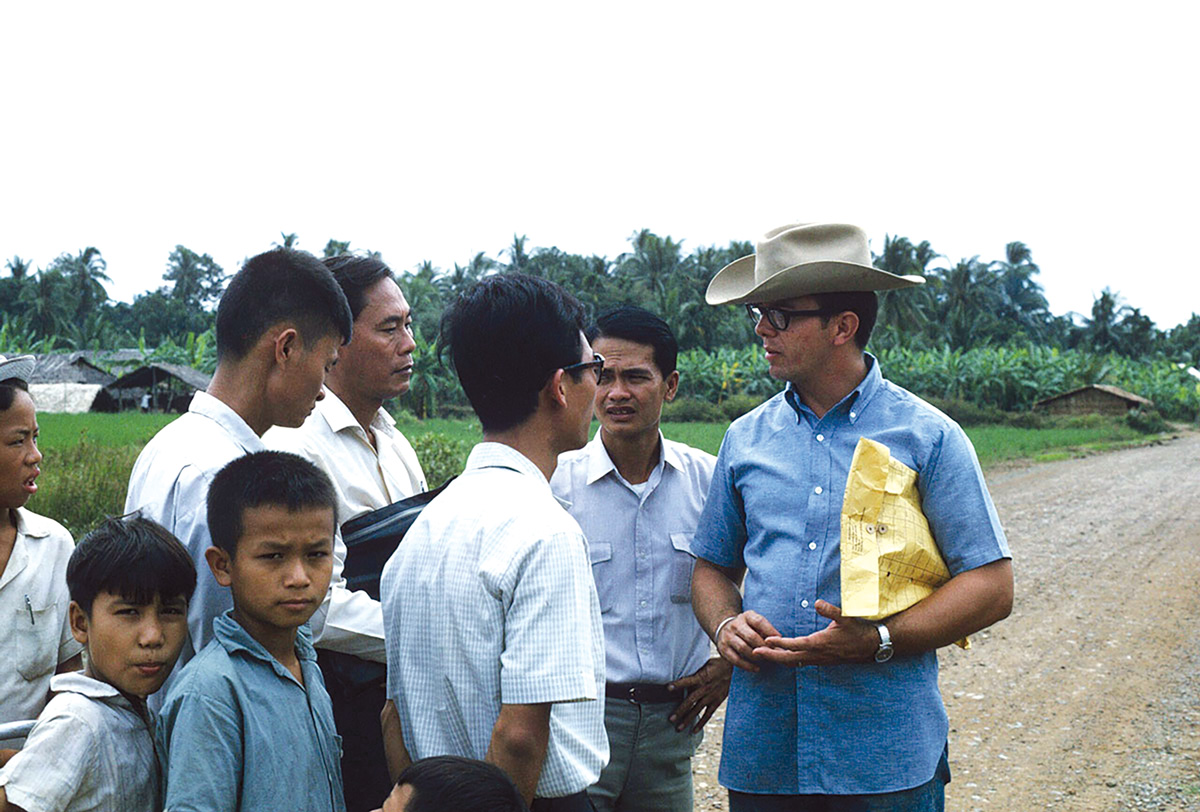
[{"x": 88, "y": 457}]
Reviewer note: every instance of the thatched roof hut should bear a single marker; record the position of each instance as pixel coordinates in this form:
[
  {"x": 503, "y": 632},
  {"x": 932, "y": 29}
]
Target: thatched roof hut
[
  {"x": 171, "y": 386},
  {"x": 1096, "y": 398}
]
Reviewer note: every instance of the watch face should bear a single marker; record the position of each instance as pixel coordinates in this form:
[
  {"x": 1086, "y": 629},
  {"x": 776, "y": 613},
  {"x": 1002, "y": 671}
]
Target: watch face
[{"x": 884, "y": 654}]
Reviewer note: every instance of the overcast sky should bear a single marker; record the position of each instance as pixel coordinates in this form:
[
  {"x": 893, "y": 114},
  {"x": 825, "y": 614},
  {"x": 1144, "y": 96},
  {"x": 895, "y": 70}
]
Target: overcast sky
[{"x": 437, "y": 130}]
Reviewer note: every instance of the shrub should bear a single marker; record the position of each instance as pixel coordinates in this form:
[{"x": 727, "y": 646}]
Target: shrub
[
  {"x": 966, "y": 413},
  {"x": 82, "y": 484},
  {"x": 441, "y": 457},
  {"x": 737, "y": 405},
  {"x": 1146, "y": 421},
  {"x": 687, "y": 410}
]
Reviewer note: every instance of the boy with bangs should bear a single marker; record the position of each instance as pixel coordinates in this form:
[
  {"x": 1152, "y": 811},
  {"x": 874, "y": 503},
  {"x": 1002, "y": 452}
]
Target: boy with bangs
[
  {"x": 93, "y": 747},
  {"x": 248, "y": 724}
]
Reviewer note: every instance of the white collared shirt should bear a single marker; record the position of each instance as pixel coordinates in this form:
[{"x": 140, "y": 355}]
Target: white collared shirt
[
  {"x": 366, "y": 478},
  {"x": 490, "y": 601},
  {"x": 639, "y": 540},
  {"x": 169, "y": 484},
  {"x": 90, "y": 750},
  {"x": 34, "y": 633}
]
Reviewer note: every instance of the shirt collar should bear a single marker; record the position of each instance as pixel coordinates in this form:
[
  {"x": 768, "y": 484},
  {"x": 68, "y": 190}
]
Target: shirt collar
[
  {"x": 219, "y": 412},
  {"x": 77, "y": 682},
  {"x": 339, "y": 417},
  {"x": 234, "y": 637},
  {"x": 499, "y": 455},
  {"x": 599, "y": 464},
  {"x": 32, "y": 525},
  {"x": 852, "y": 404}
]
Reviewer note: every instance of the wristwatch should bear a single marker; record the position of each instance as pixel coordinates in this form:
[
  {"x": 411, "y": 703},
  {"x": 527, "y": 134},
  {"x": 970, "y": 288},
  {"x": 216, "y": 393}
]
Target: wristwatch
[{"x": 885, "y": 650}]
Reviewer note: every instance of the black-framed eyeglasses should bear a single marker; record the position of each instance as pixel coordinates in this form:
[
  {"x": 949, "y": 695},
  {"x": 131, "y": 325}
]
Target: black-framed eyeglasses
[
  {"x": 778, "y": 317},
  {"x": 596, "y": 365}
]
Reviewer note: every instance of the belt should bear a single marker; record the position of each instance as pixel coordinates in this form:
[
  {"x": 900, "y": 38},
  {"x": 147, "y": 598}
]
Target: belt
[{"x": 639, "y": 692}]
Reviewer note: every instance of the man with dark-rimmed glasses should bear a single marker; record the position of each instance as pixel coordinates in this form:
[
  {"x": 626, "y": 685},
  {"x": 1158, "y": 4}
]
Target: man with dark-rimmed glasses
[
  {"x": 494, "y": 643},
  {"x": 866, "y": 728}
]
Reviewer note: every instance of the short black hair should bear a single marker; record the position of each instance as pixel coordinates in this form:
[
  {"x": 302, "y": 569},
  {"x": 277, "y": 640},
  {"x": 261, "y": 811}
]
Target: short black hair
[
  {"x": 275, "y": 286},
  {"x": 264, "y": 478},
  {"x": 862, "y": 303},
  {"x": 640, "y": 326},
  {"x": 133, "y": 557},
  {"x": 462, "y": 784},
  {"x": 8, "y": 391},
  {"x": 507, "y": 335},
  {"x": 355, "y": 274}
]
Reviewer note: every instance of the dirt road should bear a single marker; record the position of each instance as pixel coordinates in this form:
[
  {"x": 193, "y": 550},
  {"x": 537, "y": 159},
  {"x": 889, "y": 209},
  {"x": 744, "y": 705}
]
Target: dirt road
[{"x": 1088, "y": 697}]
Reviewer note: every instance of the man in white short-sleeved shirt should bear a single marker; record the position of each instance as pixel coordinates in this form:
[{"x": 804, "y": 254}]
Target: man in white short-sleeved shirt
[
  {"x": 352, "y": 438},
  {"x": 279, "y": 325},
  {"x": 495, "y": 648}
]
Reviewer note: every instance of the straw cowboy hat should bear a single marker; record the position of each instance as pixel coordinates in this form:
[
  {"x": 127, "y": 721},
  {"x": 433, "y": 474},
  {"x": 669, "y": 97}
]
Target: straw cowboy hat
[
  {"x": 20, "y": 367},
  {"x": 800, "y": 260}
]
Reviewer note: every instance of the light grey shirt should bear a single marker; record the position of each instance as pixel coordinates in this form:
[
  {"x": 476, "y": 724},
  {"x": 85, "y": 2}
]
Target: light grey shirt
[
  {"x": 169, "y": 484},
  {"x": 91, "y": 751},
  {"x": 489, "y": 601},
  {"x": 639, "y": 540}
]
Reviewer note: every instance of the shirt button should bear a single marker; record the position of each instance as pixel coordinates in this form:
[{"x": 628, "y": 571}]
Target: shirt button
[
  {"x": 818, "y": 490},
  {"x": 643, "y": 603},
  {"x": 812, "y": 545},
  {"x": 820, "y": 438},
  {"x": 804, "y": 604},
  {"x": 853, "y": 415}
]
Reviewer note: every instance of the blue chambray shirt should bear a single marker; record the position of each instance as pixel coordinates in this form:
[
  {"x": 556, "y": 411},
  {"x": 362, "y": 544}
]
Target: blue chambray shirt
[
  {"x": 241, "y": 733},
  {"x": 775, "y": 508}
]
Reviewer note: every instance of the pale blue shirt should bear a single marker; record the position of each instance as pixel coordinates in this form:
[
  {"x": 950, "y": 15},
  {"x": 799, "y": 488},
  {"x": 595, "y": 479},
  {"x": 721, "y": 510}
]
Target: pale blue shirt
[
  {"x": 489, "y": 601},
  {"x": 640, "y": 549},
  {"x": 169, "y": 484},
  {"x": 775, "y": 509},
  {"x": 241, "y": 732}
]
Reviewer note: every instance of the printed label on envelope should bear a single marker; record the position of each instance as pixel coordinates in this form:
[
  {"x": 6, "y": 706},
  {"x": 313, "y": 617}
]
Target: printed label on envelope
[{"x": 889, "y": 558}]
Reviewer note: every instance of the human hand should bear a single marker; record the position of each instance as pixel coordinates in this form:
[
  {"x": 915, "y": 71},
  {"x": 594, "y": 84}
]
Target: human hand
[
  {"x": 708, "y": 688},
  {"x": 6, "y": 754},
  {"x": 741, "y": 637},
  {"x": 845, "y": 640}
]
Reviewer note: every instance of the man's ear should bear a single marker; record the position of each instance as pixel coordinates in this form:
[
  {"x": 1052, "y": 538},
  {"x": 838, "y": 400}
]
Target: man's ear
[
  {"x": 78, "y": 620},
  {"x": 845, "y": 327},
  {"x": 672, "y": 386},
  {"x": 220, "y": 564},
  {"x": 555, "y": 389},
  {"x": 287, "y": 344}
]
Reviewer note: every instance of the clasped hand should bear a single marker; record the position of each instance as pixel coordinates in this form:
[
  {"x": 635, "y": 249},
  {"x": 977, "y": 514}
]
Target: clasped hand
[{"x": 750, "y": 640}]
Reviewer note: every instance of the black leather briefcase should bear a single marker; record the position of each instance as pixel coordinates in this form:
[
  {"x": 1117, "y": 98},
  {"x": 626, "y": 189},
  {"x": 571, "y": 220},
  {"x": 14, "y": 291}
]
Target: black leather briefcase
[{"x": 372, "y": 538}]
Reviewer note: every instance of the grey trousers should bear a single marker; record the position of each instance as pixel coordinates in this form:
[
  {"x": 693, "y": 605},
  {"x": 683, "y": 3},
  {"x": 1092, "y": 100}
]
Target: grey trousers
[{"x": 650, "y": 764}]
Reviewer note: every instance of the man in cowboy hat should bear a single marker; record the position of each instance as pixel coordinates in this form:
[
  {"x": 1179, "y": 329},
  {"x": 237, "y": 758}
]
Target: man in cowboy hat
[{"x": 867, "y": 721}]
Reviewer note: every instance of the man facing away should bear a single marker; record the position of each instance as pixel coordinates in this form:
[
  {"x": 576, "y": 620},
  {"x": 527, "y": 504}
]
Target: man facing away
[
  {"x": 352, "y": 438},
  {"x": 638, "y": 497},
  {"x": 865, "y": 727},
  {"x": 279, "y": 325},
  {"x": 495, "y": 647}
]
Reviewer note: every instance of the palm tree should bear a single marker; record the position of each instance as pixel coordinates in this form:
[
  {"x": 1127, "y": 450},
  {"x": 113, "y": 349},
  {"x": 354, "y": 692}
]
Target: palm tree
[
  {"x": 85, "y": 272},
  {"x": 652, "y": 264},
  {"x": 335, "y": 248},
  {"x": 18, "y": 268},
  {"x": 1023, "y": 303},
  {"x": 968, "y": 303},
  {"x": 1101, "y": 331},
  {"x": 518, "y": 258},
  {"x": 45, "y": 303},
  {"x": 906, "y": 314}
]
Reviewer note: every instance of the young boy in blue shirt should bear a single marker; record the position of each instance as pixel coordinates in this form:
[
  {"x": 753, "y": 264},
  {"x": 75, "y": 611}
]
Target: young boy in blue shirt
[
  {"x": 93, "y": 748},
  {"x": 248, "y": 724}
]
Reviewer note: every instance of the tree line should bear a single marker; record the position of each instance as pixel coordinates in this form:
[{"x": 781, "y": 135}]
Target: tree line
[{"x": 965, "y": 304}]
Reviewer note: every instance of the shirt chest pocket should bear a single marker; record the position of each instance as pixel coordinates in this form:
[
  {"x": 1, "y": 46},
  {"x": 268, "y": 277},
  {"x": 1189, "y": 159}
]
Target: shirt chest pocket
[
  {"x": 682, "y": 563},
  {"x": 36, "y": 630},
  {"x": 600, "y": 553}
]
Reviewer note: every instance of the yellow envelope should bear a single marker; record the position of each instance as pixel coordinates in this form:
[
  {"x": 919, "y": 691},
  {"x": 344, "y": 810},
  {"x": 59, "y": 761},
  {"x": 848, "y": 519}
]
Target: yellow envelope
[{"x": 889, "y": 558}]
